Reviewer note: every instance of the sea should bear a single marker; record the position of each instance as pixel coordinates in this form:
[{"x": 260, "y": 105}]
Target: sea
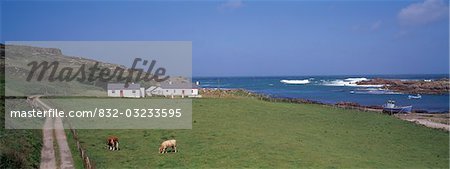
[{"x": 332, "y": 89}]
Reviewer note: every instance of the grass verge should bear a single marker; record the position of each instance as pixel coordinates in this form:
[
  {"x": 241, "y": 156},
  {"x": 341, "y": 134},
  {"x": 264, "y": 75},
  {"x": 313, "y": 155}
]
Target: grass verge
[{"x": 246, "y": 132}]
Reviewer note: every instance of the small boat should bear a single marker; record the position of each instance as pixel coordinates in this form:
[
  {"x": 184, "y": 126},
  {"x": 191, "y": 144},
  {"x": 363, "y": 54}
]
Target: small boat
[
  {"x": 391, "y": 108},
  {"x": 418, "y": 96},
  {"x": 352, "y": 92}
]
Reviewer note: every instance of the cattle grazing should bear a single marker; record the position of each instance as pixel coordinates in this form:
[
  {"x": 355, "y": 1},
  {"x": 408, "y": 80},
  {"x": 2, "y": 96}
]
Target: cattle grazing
[
  {"x": 113, "y": 143},
  {"x": 166, "y": 144}
]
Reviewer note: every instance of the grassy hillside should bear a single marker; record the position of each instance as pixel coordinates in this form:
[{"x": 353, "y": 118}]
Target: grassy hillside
[
  {"x": 17, "y": 70},
  {"x": 246, "y": 132},
  {"x": 19, "y": 148}
]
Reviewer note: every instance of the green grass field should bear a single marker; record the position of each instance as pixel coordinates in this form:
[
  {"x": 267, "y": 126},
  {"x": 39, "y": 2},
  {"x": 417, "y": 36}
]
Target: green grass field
[
  {"x": 19, "y": 148},
  {"x": 249, "y": 133}
]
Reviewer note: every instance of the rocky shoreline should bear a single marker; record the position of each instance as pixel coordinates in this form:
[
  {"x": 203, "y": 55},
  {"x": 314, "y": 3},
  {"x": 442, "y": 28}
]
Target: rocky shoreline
[
  {"x": 439, "y": 120},
  {"x": 440, "y": 86},
  {"x": 232, "y": 93}
]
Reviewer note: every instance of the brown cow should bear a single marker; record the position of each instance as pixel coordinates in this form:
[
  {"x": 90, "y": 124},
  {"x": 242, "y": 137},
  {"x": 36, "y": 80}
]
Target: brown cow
[
  {"x": 166, "y": 144},
  {"x": 113, "y": 143}
]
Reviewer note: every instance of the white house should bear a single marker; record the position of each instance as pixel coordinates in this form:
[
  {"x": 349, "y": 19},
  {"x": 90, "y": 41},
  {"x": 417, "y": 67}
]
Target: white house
[
  {"x": 170, "y": 88},
  {"x": 154, "y": 90},
  {"x": 119, "y": 90}
]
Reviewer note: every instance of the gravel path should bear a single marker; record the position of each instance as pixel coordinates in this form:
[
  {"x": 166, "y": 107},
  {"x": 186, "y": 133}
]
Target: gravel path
[
  {"x": 53, "y": 129},
  {"x": 430, "y": 124},
  {"x": 48, "y": 152}
]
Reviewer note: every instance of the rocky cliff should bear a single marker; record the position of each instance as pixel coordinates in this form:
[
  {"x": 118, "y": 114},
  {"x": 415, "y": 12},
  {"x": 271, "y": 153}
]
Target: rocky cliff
[{"x": 440, "y": 86}]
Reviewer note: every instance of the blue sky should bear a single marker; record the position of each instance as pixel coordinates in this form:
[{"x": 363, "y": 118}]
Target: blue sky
[{"x": 255, "y": 38}]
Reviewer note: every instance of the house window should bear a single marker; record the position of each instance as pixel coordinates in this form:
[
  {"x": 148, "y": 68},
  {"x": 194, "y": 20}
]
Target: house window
[
  {"x": 113, "y": 91},
  {"x": 167, "y": 90},
  {"x": 134, "y": 91},
  {"x": 192, "y": 91}
]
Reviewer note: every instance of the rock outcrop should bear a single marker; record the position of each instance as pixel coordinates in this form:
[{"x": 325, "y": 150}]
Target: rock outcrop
[{"x": 440, "y": 86}]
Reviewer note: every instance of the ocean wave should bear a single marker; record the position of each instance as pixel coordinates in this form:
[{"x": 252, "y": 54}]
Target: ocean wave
[
  {"x": 306, "y": 81},
  {"x": 351, "y": 82},
  {"x": 214, "y": 85},
  {"x": 369, "y": 85},
  {"x": 380, "y": 92},
  {"x": 357, "y": 79},
  {"x": 371, "y": 89}
]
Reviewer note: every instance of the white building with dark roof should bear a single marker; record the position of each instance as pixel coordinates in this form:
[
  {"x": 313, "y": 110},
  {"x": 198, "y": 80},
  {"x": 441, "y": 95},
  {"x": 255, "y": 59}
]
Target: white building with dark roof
[
  {"x": 119, "y": 90},
  {"x": 169, "y": 88},
  {"x": 154, "y": 90}
]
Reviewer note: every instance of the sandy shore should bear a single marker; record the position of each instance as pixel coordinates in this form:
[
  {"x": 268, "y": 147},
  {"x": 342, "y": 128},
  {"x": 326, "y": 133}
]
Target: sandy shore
[{"x": 439, "y": 121}]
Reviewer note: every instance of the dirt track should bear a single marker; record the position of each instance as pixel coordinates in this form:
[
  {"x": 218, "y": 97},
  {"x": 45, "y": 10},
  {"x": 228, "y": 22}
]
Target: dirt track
[
  {"x": 430, "y": 124},
  {"x": 48, "y": 152},
  {"x": 53, "y": 129},
  {"x": 439, "y": 121}
]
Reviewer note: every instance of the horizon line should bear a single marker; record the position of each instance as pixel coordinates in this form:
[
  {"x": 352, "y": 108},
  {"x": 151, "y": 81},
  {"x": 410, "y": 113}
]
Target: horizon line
[{"x": 401, "y": 74}]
